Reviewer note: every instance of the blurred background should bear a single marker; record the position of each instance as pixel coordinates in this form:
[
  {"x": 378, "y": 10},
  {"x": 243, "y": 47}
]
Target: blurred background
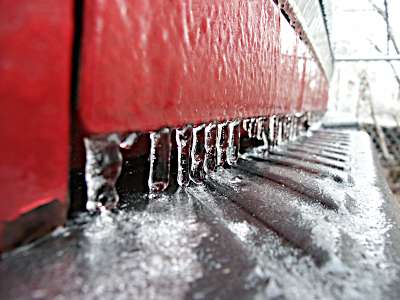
[{"x": 365, "y": 85}]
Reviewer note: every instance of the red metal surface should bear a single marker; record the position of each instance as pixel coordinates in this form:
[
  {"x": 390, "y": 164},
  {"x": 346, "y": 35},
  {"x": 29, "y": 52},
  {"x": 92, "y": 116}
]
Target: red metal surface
[
  {"x": 35, "y": 60},
  {"x": 148, "y": 64}
]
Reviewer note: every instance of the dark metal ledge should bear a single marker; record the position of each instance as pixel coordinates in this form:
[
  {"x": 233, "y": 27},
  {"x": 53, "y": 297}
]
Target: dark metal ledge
[{"x": 314, "y": 220}]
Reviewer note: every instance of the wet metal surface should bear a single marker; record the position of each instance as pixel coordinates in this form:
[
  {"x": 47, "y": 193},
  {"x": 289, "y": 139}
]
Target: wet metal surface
[{"x": 305, "y": 232}]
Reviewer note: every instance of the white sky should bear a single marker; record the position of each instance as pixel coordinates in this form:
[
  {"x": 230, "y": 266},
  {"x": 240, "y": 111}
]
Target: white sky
[{"x": 355, "y": 29}]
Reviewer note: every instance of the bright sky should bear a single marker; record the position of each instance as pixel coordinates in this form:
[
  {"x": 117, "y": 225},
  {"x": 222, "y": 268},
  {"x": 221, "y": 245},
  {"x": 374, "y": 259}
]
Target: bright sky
[{"x": 356, "y": 28}]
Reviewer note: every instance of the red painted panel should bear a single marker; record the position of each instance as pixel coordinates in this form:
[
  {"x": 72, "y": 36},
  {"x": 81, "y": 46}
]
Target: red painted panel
[
  {"x": 35, "y": 61},
  {"x": 148, "y": 64}
]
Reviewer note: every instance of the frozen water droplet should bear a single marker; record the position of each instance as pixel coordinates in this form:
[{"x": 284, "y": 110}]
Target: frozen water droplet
[
  {"x": 129, "y": 140},
  {"x": 210, "y": 147},
  {"x": 160, "y": 155},
  {"x": 281, "y": 4},
  {"x": 184, "y": 143},
  {"x": 233, "y": 142},
  {"x": 197, "y": 155},
  {"x": 103, "y": 167},
  {"x": 222, "y": 143}
]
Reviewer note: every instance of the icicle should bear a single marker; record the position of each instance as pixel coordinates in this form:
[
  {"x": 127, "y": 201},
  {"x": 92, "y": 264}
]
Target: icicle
[
  {"x": 266, "y": 134},
  {"x": 289, "y": 125},
  {"x": 250, "y": 128},
  {"x": 222, "y": 143},
  {"x": 210, "y": 161},
  {"x": 103, "y": 167},
  {"x": 129, "y": 140},
  {"x": 184, "y": 143},
  {"x": 197, "y": 154},
  {"x": 233, "y": 142},
  {"x": 299, "y": 118},
  {"x": 246, "y": 124},
  {"x": 160, "y": 155},
  {"x": 260, "y": 128},
  {"x": 276, "y": 130},
  {"x": 292, "y": 128},
  {"x": 285, "y": 128},
  {"x": 272, "y": 121},
  {"x": 253, "y": 127},
  {"x": 280, "y": 130}
]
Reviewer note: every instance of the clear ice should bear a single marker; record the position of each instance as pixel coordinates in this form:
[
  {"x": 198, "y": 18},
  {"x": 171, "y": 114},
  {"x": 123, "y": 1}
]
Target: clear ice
[
  {"x": 266, "y": 134},
  {"x": 233, "y": 142},
  {"x": 197, "y": 154},
  {"x": 128, "y": 141},
  {"x": 260, "y": 128},
  {"x": 184, "y": 143},
  {"x": 222, "y": 143},
  {"x": 102, "y": 169},
  {"x": 160, "y": 156},
  {"x": 274, "y": 131},
  {"x": 210, "y": 147},
  {"x": 252, "y": 128}
]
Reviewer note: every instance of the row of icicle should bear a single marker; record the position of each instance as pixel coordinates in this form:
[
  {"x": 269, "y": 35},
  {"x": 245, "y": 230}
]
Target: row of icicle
[{"x": 200, "y": 149}]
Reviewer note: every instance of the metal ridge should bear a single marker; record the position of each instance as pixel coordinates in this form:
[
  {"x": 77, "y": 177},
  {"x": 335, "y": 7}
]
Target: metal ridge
[{"x": 307, "y": 19}]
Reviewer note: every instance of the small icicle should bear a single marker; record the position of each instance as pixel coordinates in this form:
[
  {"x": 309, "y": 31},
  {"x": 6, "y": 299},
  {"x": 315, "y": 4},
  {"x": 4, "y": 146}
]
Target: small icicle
[
  {"x": 280, "y": 130},
  {"x": 222, "y": 143},
  {"x": 285, "y": 128},
  {"x": 233, "y": 142},
  {"x": 271, "y": 136},
  {"x": 160, "y": 156},
  {"x": 129, "y": 140},
  {"x": 266, "y": 134},
  {"x": 210, "y": 147},
  {"x": 260, "y": 128},
  {"x": 254, "y": 127},
  {"x": 295, "y": 127},
  {"x": 197, "y": 155},
  {"x": 249, "y": 128},
  {"x": 276, "y": 130},
  {"x": 291, "y": 128},
  {"x": 245, "y": 124},
  {"x": 184, "y": 143},
  {"x": 299, "y": 123},
  {"x": 103, "y": 167}
]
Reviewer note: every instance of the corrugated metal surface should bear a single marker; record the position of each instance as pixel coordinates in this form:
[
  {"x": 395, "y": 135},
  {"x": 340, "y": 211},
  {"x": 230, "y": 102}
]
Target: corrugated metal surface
[{"x": 294, "y": 224}]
